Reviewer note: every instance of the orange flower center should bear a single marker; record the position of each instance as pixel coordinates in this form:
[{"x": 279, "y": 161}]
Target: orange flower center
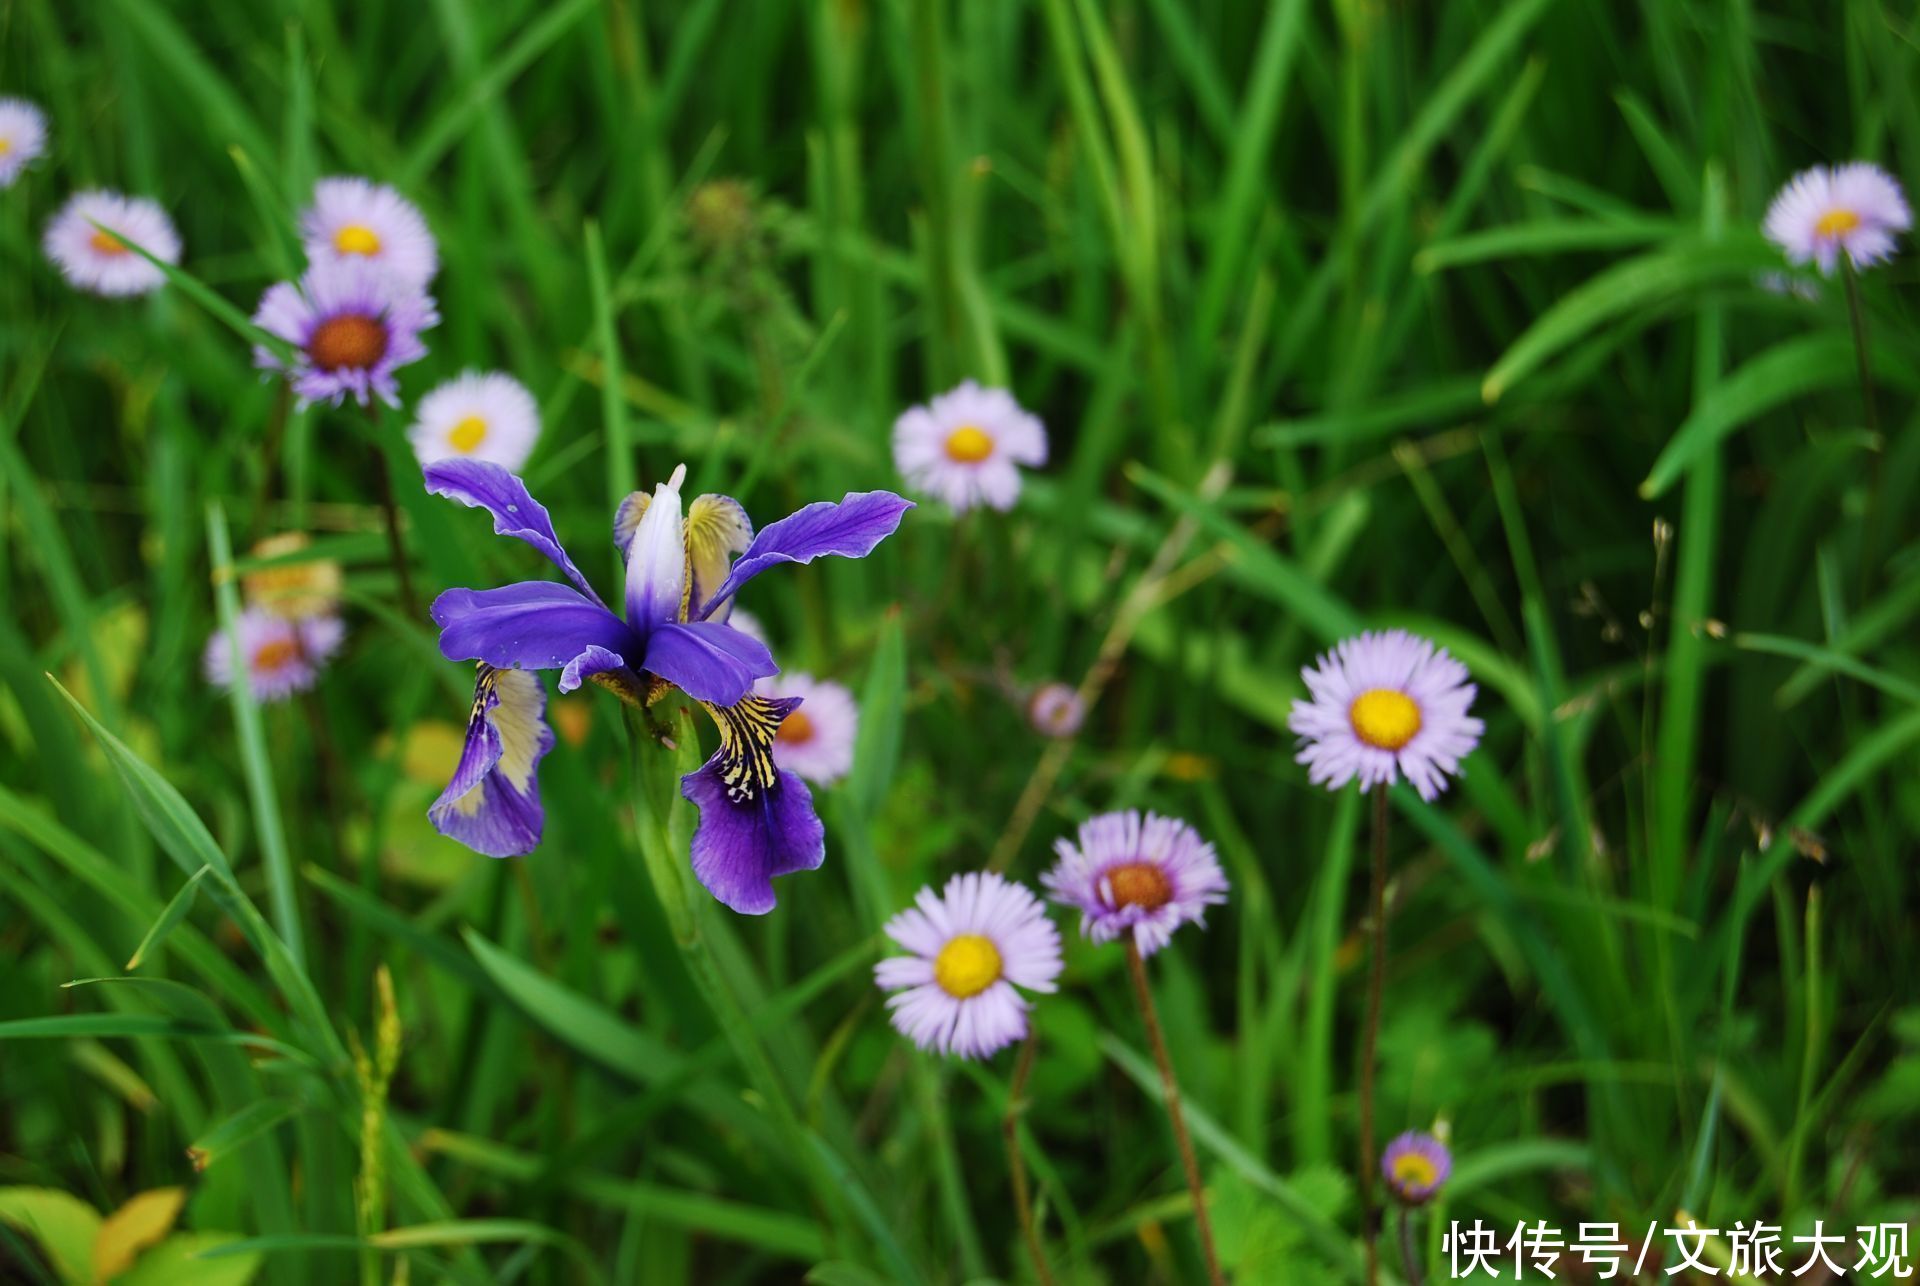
[
  {"x": 1141, "y": 884},
  {"x": 106, "y": 243},
  {"x": 347, "y": 340},
  {"x": 468, "y": 434},
  {"x": 796, "y": 729},
  {"x": 1384, "y": 719},
  {"x": 271, "y": 656},
  {"x": 969, "y": 444},
  {"x": 1836, "y": 223}
]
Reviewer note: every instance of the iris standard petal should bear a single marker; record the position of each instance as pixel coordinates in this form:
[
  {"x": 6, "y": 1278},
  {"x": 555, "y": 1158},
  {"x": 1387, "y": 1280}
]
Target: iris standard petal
[
  {"x": 532, "y": 625},
  {"x": 717, "y": 529},
  {"x": 481, "y": 484},
  {"x": 492, "y": 805},
  {"x": 850, "y": 529},
  {"x": 707, "y": 660},
  {"x": 756, "y": 822},
  {"x": 657, "y": 560}
]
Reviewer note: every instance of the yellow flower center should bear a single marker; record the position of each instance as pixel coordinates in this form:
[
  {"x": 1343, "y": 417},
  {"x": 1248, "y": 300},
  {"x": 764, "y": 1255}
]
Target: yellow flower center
[
  {"x": 1384, "y": 719},
  {"x": 969, "y": 444},
  {"x": 1836, "y": 223},
  {"x": 271, "y": 656},
  {"x": 1413, "y": 1170},
  {"x": 6, "y": 145},
  {"x": 106, "y": 243},
  {"x": 467, "y": 434},
  {"x": 796, "y": 729},
  {"x": 357, "y": 239},
  {"x": 1141, "y": 884},
  {"x": 967, "y": 966}
]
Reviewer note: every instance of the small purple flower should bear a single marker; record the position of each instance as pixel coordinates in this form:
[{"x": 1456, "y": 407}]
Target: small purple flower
[
  {"x": 815, "y": 742},
  {"x": 1857, "y": 207},
  {"x": 23, "y": 137},
  {"x": 1056, "y": 710},
  {"x": 966, "y": 446},
  {"x": 756, "y": 818},
  {"x": 1145, "y": 874},
  {"x": 354, "y": 219},
  {"x": 88, "y": 240},
  {"x": 972, "y": 945},
  {"x": 492, "y": 805},
  {"x": 1415, "y": 1165},
  {"x": 351, "y": 326},
  {"x": 281, "y": 656},
  {"x": 1384, "y": 705}
]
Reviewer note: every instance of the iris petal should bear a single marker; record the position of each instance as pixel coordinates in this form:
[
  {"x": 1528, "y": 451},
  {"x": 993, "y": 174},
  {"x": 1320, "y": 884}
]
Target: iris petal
[
  {"x": 850, "y": 528},
  {"x": 532, "y": 625},
  {"x": 756, "y": 822},
  {"x": 481, "y": 484},
  {"x": 717, "y": 529},
  {"x": 492, "y": 805},
  {"x": 707, "y": 660}
]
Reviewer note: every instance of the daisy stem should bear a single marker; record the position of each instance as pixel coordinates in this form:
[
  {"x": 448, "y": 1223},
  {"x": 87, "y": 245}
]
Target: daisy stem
[
  {"x": 1170, "y": 1091},
  {"x": 1016, "y": 1164},
  {"x": 1857, "y": 317},
  {"x": 1370, "y": 1037},
  {"x": 396, "y": 547},
  {"x": 1408, "y": 1259}
]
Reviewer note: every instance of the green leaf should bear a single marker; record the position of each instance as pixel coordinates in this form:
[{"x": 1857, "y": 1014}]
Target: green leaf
[
  {"x": 180, "y": 1261},
  {"x": 176, "y": 911}
]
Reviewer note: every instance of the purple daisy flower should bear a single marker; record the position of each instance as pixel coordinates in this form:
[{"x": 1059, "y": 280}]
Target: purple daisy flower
[
  {"x": 88, "y": 240},
  {"x": 23, "y": 137},
  {"x": 1415, "y": 1165},
  {"x": 1384, "y": 705},
  {"x": 1145, "y": 874},
  {"x": 1056, "y": 710},
  {"x": 281, "y": 656},
  {"x": 756, "y": 819},
  {"x": 972, "y": 945},
  {"x": 354, "y": 219},
  {"x": 1857, "y": 207},
  {"x": 966, "y": 446},
  {"x": 492, "y": 805},
  {"x": 351, "y": 326},
  {"x": 815, "y": 742}
]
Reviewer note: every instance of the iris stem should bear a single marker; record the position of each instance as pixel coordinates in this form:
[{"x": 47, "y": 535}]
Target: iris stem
[
  {"x": 1370, "y": 1036},
  {"x": 396, "y": 546},
  {"x": 1408, "y": 1259},
  {"x": 1137, "y": 970},
  {"x": 1017, "y": 1165}
]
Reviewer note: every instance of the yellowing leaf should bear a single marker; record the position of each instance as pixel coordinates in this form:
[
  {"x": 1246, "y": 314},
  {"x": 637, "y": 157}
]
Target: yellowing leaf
[
  {"x": 62, "y": 1224},
  {"x": 129, "y": 1230}
]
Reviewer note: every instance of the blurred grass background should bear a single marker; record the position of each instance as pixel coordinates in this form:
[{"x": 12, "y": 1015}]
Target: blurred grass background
[{"x": 1338, "y": 314}]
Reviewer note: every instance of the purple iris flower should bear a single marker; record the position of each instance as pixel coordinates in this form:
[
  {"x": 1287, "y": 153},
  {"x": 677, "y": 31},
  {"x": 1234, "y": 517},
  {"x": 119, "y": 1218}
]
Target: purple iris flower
[{"x": 756, "y": 820}]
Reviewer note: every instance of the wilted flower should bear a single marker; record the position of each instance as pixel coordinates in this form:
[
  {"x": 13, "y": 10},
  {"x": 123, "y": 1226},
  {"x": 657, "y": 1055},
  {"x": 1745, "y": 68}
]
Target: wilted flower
[
  {"x": 355, "y": 219},
  {"x": 965, "y": 446},
  {"x": 815, "y": 740},
  {"x": 756, "y": 819},
  {"x": 972, "y": 944},
  {"x": 1856, "y": 207},
  {"x": 1415, "y": 1165},
  {"x": 295, "y": 590},
  {"x": 477, "y": 416},
  {"x": 351, "y": 326},
  {"x": 1056, "y": 710},
  {"x": 282, "y": 657},
  {"x": 1148, "y": 875},
  {"x": 88, "y": 240},
  {"x": 23, "y": 137},
  {"x": 1385, "y": 704}
]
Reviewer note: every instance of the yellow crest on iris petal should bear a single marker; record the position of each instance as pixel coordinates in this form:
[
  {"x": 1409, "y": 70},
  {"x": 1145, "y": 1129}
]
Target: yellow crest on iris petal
[{"x": 717, "y": 529}]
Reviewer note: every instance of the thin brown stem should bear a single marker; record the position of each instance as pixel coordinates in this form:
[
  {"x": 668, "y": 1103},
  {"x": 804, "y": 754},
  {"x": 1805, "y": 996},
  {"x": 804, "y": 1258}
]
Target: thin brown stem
[
  {"x": 1408, "y": 1259},
  {"x": 1370, "y": 1037},
  {"x": 1170, "y": 1089},
  {"x": 1869, "y": 525},
  {"x": 1017, "y": 1165},
  {"x": 396, "y": 546}
]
